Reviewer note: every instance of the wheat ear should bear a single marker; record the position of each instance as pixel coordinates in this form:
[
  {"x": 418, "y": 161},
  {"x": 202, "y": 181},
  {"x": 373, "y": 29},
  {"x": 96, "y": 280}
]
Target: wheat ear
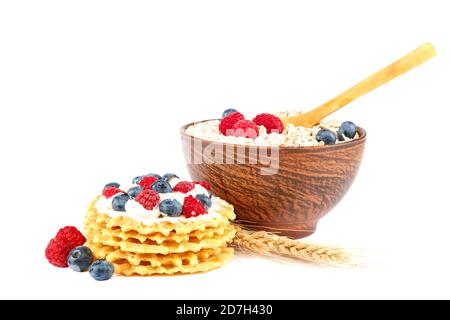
[{"x": 262, "y": 242}]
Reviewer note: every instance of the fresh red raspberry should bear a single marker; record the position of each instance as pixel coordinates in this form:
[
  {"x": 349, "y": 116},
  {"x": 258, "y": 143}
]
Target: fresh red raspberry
[
  {"x": 71, "y": 235},
  {"x": 58, "y": 248},
  {"x": 226, "y": 124},
  {"x": 192, "y": 207},
  {"x": 148, "y": 198},
  {"x": 245, "y": 128},
  {"x": 108, "y": 192},
  {"x": 270, "y": 122},
  {"x": 147, "y": 182},
  {"x": 204, "y": 184},
  {"x": 184, "y": 187}
]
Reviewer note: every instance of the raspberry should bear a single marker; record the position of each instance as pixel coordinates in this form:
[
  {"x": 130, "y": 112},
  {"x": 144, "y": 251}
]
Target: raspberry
[
  {"x": 184, "y": 187},
  {"x": 148, "y": 198},
  {"x": 204, "y": 184},
  {"x": 192, "y": 207},
  {"x": 147, "y": 182},
  {"x": 108, "y": 192},
  {"x": 226, "y": 124},
  {"x": 71, "y": 235},
  {"x": 270, "y": 122},
  {"x": 245, "y": 128},
  {"x": 58, "y": 248}
]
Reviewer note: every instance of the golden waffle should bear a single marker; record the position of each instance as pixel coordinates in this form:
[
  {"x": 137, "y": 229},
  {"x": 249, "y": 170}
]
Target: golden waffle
[
  {"x": 93, "y": 228},
  {"x": 128, "y": 264},
  {"x": 165, "y": 247},
  {"x": 128, "y": 224}
]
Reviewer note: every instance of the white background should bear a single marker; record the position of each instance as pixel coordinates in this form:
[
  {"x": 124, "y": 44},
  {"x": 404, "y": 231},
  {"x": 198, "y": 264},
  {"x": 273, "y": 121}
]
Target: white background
[{"x": 95, "y": 91}]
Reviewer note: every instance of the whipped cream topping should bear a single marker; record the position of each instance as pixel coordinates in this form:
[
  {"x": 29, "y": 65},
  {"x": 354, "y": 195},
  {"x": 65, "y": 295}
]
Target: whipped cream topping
[{"x": 136, "y": 211}]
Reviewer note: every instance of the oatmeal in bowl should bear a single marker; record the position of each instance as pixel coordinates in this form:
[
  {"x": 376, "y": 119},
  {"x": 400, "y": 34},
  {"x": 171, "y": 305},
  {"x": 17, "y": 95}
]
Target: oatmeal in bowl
[{"x": 278, "y": 177}]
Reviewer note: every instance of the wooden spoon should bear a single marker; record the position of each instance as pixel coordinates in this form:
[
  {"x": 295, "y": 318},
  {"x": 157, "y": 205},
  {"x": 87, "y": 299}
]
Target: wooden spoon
[{"x": 404, "y": 64}]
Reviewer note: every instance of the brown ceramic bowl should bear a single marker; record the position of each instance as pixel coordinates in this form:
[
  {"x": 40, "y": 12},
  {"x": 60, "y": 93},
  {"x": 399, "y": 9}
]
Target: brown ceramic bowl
[{"x": 310, "y": 181}]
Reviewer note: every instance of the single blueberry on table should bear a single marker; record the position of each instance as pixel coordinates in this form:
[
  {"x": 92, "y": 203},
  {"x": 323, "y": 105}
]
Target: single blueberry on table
[
  {"x": 101, "y": 270},
  {"x": 205, "y": 200},
  {"x": 171, "y": 207},
  {"x": 228, "y": 112},
  {"x": 112, "y": 184},
  {"x": 347, "y": 129},
  {"x": 326, "y": 135},
  {"x": 134, "y": 191},
  {"x": 161, "y": 186},
  {"x": 119, "y": 201},
  {"x": 80, "y": 258}
]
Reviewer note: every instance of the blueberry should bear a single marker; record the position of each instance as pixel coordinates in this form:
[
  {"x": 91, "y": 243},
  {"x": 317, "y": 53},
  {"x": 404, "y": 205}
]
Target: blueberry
[
  {"x": 101, "y": 270},
  {"x": 112, "y": 184},
  {"x": 347, "y": 129},
  {"x": 327, "y": 136},
  {"x": 80, "y": 258},
  {"x": 169, "y": 176},
  {"x": 205, "y": 200},
  {"x": 134, "y": 191},
  {"x": 228, "y": 112},
  {"x": 118, "y": 202},
  {"x": 157, "y": 176},
  {"x": 137, "y": 179},
  {"x": 170, "y": 207},
  {"x": 161, "y": 186}
]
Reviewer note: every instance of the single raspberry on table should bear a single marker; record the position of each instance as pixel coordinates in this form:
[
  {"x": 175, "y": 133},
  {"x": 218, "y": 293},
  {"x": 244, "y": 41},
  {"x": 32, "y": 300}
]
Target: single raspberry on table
[
  {"x": 148, "y": 199},
  {"x": 59, "y": 247},
  {"x": 204, "y": 184},
  {"x": 227, "y": 123},
  {"x": 192, "y": 207},
  {"x": 147, "y": 182},
  {"x": 270, "y": 122},
  {"x": 245, "y": 128},
  {"x": 184, "y": 187},
  {"x": 108, "y": 192}
]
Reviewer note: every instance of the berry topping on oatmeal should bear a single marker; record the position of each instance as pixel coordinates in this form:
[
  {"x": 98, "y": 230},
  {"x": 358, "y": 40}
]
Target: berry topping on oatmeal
[
  {"x": 346, "y": 130},
  {"x": 246, "y": 129},
  {"x": 326, "y": 136},
  {"x": 270, "y": 122},
  {"x": 227, "y": 123},
  {"x": 227, "y": 112}
]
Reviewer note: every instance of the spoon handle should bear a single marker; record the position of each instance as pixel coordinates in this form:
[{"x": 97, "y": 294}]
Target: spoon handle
[{"x": 404, "y": 64}]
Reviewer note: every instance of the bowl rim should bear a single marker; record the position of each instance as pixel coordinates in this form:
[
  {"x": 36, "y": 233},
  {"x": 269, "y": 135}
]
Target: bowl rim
[{"x": 362, "y": 134}]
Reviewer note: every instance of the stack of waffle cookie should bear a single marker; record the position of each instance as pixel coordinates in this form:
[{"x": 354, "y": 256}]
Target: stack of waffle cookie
[{"x": 166, "y": 247}]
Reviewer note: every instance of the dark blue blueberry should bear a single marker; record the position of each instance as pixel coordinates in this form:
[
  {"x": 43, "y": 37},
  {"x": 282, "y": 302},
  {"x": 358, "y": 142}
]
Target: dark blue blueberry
[
  {"x": 161, "y": 186},
  {"x": 205, "y": 200},
  {"x": 80, "y": 258},
  {"x": 347, "y": 129},
  {"x": 134, "y": 191},
  {"x": 101, "y": 270},
  {"x": 169, "y": 176},
  {"x": 118, "y": 202},
  {"x": 137, "y": 179},
  {"x": 157, "y": 176},
  {"x": 228, "y": 112},
  {"x": 112, "y": 184},
  {"x": 326, "y": 135},
  {"x": 170, "y": 207}
]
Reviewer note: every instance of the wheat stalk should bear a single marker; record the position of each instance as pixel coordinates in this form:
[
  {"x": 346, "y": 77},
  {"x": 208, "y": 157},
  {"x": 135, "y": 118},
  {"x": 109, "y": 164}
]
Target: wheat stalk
[{"x": 262, "y": 242}]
